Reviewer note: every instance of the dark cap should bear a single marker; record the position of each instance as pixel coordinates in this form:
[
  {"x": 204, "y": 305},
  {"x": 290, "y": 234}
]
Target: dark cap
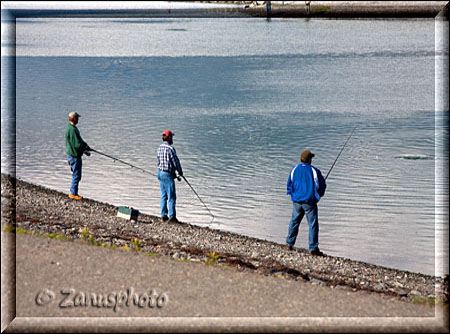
[
  {"x": 306, "y": 156},
  {"x": 168, "y": 133}
]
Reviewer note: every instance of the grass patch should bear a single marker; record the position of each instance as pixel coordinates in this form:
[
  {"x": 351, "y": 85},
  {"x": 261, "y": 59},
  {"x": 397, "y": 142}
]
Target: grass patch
[
  {"x": 8, "y": 228},
  {"x": 322, "y": 9},
  {"x": 152, "y": 254},
  {"x": 211, "y": 258},
  {"x": 94, "y": 242},
  {"x": 56, "y": 236},
  {"x": 105, "y": 245},
  {"x": 20, "y": 230},
  {"x": 420, "y": 300},
  {"x": 84, "y": 233},
  {"x": 137, "y": 244}
]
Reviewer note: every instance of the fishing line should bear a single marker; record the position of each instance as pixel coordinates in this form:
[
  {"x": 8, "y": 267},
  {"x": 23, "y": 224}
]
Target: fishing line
[
  {"x": 340, "y": 152},
  {"x": 124, "y": 162},
  {"x": 199, "y": 198},
  {"x": 153, "y": 174}
]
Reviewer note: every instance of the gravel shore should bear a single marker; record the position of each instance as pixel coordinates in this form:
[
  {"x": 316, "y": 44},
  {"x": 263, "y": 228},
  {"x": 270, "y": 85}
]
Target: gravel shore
[{"x": 36, "y": 210}]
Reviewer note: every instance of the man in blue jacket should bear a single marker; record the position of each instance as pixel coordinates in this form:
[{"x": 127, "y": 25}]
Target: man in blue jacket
[{"x": 306, "y": 186}]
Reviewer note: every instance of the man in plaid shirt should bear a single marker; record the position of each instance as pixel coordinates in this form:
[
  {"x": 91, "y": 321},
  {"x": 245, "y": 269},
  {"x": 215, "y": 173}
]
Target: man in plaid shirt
[{"x": 168, "y": 164}]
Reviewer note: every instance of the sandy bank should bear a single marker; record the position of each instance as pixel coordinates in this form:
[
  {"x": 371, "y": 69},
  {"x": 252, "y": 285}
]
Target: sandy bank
[{"x": 181, "y": 296}]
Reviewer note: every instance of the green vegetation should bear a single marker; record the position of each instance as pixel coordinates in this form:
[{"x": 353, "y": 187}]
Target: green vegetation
[
  {"x": 8, "y": 228},
  {"x": 152, "y": 254},
  {"x": 211, "y": 258},
  {"x": 106, "y": 245},
  {"x": 137, "y": 244},
  {"x": 92, "y": 241},
  {"x": 420, "y": 300},
  {"x": 56, "y": 236},
  {"x": 84, "y": 233},
  {"x": 20, "y": 230}
]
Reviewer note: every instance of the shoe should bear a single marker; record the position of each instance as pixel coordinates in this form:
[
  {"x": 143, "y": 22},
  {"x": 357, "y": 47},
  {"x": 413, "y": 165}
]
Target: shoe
[
  {"x": 173, "y": 220},
  {"x": 165, "y": 218},
  {"x": 288, "y": 247},
  {"x": 78, "y": 197},
  {"x": 317, "y": 252}
]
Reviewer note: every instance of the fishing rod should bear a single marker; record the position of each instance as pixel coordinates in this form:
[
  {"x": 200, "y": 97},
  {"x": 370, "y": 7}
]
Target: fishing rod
[
  {"x": 145, "y": 171},
  {"x": 340, "y": 152},
  {"x": 199, "y": 198},
  {"x": 124, "y": 162}
]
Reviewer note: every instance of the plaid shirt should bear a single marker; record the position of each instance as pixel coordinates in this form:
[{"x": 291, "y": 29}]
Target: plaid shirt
[{"x": 167, "y": 159}]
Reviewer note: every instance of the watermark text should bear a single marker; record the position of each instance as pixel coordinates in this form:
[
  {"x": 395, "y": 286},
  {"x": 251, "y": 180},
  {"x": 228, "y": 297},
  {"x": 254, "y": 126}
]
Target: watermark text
[{"x": 72, "y": 298}]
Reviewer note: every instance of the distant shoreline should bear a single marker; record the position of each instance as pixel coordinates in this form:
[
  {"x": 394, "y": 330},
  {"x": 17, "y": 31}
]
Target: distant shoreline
[{"x": 317, "y": 9}]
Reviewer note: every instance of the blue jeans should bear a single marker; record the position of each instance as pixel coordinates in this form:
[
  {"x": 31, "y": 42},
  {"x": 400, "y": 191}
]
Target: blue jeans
[
  {"x": 298, "y": 211},
  {"x": 168, "y": 194},
  {"x": 75, "y": 165}
]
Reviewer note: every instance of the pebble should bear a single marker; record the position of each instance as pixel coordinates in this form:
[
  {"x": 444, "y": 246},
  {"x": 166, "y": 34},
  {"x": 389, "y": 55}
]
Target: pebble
[
  {"x": 402, "y": 293},
  {"x": 398, "y": 284}
]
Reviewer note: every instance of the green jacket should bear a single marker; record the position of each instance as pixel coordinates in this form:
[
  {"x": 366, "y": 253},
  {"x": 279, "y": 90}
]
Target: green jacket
[{"x": 75, "y": 145}]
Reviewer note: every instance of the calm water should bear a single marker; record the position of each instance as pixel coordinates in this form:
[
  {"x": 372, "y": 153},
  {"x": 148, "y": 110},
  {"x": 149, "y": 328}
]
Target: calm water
[{"x": 244, "y": 98}]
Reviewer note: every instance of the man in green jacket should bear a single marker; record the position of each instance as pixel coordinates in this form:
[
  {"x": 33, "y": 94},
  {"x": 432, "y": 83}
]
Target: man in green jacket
[{"x": 75, "y": 147}]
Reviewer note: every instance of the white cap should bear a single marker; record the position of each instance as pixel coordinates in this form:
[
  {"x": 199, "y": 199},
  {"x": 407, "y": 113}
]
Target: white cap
[{"x": 73, "y": 114}]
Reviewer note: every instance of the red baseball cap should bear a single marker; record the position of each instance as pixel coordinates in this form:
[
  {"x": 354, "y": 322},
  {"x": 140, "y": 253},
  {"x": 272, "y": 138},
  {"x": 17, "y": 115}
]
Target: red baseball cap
[{"x": 168, "y": 133}]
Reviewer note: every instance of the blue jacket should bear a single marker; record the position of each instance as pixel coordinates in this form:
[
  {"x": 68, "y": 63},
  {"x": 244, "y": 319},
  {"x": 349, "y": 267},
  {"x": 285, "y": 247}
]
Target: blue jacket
[{"x": 306, "y": 184}]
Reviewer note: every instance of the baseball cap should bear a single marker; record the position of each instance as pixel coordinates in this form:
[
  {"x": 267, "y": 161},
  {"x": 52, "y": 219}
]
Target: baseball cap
[
  {"x": 74, "y": 114},
  {"x": 168, "y": 133},
  {"x": 306, "y": 155}
]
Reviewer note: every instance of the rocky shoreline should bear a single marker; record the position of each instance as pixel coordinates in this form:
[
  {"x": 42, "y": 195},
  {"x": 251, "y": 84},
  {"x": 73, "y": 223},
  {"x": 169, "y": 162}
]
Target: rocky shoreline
[
  {"x": 33, "y": 209},
  {"x": 346, "y": 9}
]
